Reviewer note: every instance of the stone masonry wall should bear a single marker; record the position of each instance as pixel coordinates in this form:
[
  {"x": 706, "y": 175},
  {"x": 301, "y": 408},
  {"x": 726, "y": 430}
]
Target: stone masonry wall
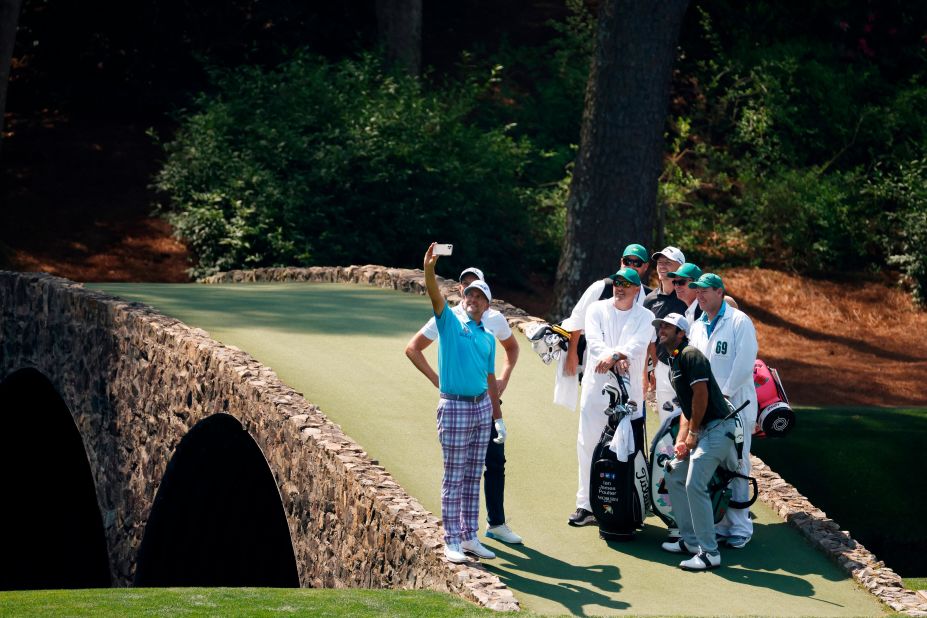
[
  {"x": 821, "y": 531},
  {"x": 136, "y": 381}
]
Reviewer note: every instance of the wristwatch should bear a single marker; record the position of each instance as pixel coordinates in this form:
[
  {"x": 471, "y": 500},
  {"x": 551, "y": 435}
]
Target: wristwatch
[{"x": 616, "y": 357}]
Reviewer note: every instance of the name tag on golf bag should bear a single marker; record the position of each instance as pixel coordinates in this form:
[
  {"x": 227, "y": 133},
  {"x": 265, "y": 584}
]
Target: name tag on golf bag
[
  {"x": 719, "y": 487},
  {"x": 619, "y": 490}
]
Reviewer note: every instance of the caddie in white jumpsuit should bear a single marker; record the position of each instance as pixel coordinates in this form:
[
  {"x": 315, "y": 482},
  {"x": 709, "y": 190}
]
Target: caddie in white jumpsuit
[
  {"x": 635, "y": 257},
  {"x": 566, "y": 384},
  {"x": 726, "y": 336},
  {"x": 617, "y": 333}
]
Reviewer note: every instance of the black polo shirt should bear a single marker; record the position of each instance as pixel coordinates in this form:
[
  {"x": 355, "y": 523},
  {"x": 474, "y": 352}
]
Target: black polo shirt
[
  {"x": 662, "y": 305},
  {"x": 687, "y": 368}
]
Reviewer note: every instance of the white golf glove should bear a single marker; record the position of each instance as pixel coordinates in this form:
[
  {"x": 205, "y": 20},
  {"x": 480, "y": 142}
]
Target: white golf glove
[{"x": 499, "y": 424}]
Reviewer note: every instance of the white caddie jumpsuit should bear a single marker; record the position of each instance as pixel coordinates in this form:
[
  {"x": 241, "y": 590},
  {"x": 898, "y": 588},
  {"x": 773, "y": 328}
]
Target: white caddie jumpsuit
[
  {"x": 731, "y": 350},
  {"x": 607, "y": 332}
]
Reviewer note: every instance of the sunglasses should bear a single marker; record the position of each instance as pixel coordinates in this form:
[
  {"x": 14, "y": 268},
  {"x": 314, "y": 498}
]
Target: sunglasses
[
  {"x": 680, "y": 281},
  {"x": 622, "y": 283},
  {"x": 632, "y": 262}
]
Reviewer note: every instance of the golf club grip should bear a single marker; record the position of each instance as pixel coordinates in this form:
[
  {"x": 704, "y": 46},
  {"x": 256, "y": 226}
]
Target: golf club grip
[{"x": 624, "y": 390}]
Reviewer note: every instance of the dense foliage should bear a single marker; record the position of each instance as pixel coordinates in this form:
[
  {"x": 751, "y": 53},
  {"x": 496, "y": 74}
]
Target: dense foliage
[
  {"x": 803, "y": 148},
  {"x": 796, "y": 139},
  {"x": 334, "y": 163}
]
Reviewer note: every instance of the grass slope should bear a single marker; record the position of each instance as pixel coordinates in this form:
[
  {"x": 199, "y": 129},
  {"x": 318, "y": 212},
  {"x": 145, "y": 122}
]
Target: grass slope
[
  {"x": 342, "y": 346},
  {"x": 844, "y": 458},
  {"x": 118, "y": 602}
]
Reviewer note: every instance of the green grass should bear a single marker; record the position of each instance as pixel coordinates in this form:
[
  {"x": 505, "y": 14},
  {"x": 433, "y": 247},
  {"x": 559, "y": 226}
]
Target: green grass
[
  {"x": 915, "y": 583},
  {"x": 234, "y": 602},
  {"x": 861, "y": 466}
]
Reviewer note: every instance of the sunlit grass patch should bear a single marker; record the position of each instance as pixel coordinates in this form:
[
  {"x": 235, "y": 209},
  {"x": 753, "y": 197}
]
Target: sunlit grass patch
[{"x": 234, "y": 602}]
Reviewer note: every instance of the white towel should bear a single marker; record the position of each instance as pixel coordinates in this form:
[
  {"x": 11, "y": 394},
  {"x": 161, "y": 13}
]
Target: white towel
[
  {"x": 566, "y": 388},
  {"x": 623, "y": 441}
]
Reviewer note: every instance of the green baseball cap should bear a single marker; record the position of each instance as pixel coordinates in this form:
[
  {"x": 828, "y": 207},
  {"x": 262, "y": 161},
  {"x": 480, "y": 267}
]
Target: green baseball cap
[
  {"x": 628, "y": 274},
  {"x": 637, "y": 251},
  {"x": 708, "y": 280},
  {"x": 687, "y": 271}
]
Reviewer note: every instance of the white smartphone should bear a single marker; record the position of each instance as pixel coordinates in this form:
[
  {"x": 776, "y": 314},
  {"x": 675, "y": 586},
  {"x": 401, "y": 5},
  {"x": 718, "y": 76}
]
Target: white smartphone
[{"x": 445, "y": 249}]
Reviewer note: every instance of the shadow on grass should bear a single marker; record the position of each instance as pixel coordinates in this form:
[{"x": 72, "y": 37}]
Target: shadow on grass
[
  {"x": 768, "y": 562},
  {"x": 574, "y": 586},
  {"x": 764, "y": 315}
]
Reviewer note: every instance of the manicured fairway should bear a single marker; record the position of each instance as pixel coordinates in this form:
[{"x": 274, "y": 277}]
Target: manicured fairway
[{"x": 342, "y": 346}]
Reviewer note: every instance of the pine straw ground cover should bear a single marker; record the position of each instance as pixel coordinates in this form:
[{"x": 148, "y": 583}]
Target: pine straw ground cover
[{"x": 837, "y": 343}]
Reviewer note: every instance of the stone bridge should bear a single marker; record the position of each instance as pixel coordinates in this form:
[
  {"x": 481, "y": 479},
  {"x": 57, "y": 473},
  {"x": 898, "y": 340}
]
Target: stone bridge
[{"x": 138, "y": 451}]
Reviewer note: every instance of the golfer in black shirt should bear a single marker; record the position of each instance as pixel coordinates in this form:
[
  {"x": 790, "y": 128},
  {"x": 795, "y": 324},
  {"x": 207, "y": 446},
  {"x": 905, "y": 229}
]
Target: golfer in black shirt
[{"x": 705, "y": 440}]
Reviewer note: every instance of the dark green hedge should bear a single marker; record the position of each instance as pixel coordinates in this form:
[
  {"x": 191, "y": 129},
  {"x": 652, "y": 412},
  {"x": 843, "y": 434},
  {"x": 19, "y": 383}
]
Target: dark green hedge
[{"x": 322, "y": 163}]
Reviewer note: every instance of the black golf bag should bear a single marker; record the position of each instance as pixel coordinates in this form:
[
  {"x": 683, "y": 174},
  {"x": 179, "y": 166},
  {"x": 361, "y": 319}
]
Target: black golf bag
[
  {"x": 619, "y": 490},
  {"x": 719, "y": 487}
]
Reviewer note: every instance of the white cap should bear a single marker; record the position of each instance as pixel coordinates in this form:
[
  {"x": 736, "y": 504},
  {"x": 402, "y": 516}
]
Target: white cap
[
  {"x": 676, "y": 320},
  {"x": 672, "y": 253},
  {"x": 480, "y": 285},
  {"x": 473, "y": 269}
]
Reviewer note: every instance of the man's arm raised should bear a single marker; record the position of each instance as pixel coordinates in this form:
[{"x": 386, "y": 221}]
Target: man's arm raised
[{"x": 431, "y": 284}]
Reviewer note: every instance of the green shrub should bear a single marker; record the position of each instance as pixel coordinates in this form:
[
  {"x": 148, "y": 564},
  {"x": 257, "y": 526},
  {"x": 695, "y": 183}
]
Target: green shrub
[
  {"x": 539, "y": 90},
  {"x": 808, "y": 221},
  {"x": 902, "y": 194},
  {"x": 318, "y": 163},
  {"x": 775, "y": 158}
]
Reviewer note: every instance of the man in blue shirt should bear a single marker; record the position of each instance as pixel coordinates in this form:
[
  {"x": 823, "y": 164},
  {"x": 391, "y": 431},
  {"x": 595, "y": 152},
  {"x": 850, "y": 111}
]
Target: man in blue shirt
[{"x": 469, "y": 400}]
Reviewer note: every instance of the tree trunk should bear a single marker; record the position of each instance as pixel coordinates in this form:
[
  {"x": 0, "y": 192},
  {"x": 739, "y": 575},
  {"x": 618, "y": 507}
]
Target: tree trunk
[
  {"x": 614, "y": 189},
  {"x": 400, "y": 30},
  {"x": 9, "y": 17}
]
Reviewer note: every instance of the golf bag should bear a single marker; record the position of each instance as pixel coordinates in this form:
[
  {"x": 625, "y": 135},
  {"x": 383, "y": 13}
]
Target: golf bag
[
  {"x": 719, "y": 487},
  {"x": 548, "y": 341},
  {"x": 775, "y": 417},
  {"x": 619, "y": 490}
]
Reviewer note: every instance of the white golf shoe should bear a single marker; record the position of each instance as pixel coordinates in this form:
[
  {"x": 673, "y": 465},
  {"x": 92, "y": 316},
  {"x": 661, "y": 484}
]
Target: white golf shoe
[
  {"x": 453, "y": 553},
  {"x": 473, "y": 546},
  {"x": 503, "y": 533},
  {"x": 701, "y": 562}
]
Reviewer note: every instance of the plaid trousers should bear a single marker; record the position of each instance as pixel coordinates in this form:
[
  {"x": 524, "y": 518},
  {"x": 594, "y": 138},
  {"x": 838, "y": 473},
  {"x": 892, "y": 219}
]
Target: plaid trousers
[{"x": 463, "y": 430}]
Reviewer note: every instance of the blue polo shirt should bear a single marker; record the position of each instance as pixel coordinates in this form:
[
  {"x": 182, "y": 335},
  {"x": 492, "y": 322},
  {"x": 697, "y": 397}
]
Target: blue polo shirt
[
  {"x": 466, "y": 354},
  {"x": 713, "y": 323}
]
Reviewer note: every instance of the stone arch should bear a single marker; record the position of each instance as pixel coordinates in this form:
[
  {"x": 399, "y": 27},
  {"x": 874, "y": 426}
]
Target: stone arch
[
  {"x": 51, "y": 530},
  {"x": 217, "y": 519}
]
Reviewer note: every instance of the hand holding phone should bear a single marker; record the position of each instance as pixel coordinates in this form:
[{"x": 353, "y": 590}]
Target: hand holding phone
[{"x": 443, "y": 249}]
